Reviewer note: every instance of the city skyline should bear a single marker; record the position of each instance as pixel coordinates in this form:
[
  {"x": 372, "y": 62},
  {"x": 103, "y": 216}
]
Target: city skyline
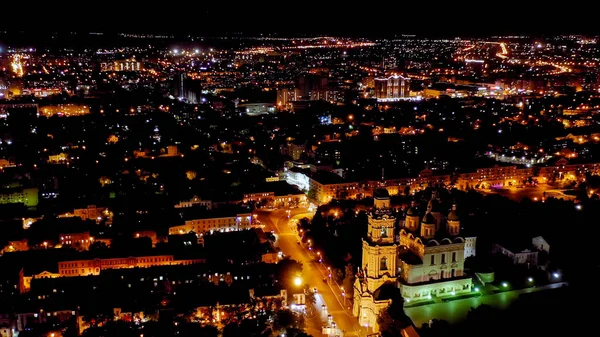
[{"x": 180, "y": 172}]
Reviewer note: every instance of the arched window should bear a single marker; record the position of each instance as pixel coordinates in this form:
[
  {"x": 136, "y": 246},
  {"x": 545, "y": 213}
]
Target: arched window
[{"x": 383, "y": 263}]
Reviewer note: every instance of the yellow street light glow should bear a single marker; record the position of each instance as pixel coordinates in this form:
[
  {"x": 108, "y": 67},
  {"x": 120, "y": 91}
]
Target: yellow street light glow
[{"x": 298, "y": 281}]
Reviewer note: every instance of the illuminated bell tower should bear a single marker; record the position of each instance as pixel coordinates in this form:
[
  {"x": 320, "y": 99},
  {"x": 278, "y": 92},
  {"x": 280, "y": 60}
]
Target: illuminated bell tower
[{"x": 379, "y": 260}]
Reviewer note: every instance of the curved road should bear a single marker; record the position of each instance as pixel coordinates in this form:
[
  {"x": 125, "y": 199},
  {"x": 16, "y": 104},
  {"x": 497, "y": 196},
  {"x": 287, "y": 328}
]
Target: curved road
[{"x": 313, "y": 272}]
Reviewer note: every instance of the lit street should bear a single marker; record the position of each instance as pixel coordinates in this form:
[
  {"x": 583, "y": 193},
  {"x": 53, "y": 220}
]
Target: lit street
[{"x": 313, "y": 272}]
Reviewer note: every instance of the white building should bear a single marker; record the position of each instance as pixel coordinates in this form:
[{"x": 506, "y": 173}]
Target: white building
[
  {"x": 523, "y": 254},
  {"x": 212, "y": 222},
  {"x": 426, "y": 261},
  {"x": 470, "y": 245}
]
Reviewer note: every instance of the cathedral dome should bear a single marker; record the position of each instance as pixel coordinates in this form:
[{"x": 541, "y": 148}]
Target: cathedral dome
[
  {"x": 433, "y": 205},
  {"x": 381, "y": 193},
  {"x": 411, "y": 212},
  {"x": 429, "y": 219},
  {"x": 453, "y": 216}
]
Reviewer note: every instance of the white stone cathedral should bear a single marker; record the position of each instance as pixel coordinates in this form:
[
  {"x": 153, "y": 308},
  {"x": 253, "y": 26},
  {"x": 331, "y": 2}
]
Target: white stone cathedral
[{"x": 426, "y": 260}]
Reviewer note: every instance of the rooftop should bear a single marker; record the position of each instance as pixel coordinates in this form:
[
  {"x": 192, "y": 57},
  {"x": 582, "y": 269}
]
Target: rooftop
[
  {"x": 409, "y": 257},
  {"x": 327, "y": 178},
  {"x": 193, "y": 213}
]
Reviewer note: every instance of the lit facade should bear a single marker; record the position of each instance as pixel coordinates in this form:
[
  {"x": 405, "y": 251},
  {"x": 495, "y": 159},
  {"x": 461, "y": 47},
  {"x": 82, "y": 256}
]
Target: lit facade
[
  {"x": 16, "y": 246},
  {"x": 66, "y": 110},
  {"x": 79, "y": 241},
  {"x": 426, "y": 261},
  {"x": 276, "y": 200},
  {"x": 61, "y": 158},
  {"x": 285, "y": 97},
  {"x": 392, "y": 87},
  {"x": 92, "y": 212},
  {"x": 379, "y": 265},
  {"x": 26, "y": 196},
  {"x": 195, "y": 201},
  {"x": 218, "y": 224},
  {"x": 525, "y": 256},
  {"x": 432, "y": 254},
  {"x": 95, "y": 266},
  {"x": 122, "y": 65}
]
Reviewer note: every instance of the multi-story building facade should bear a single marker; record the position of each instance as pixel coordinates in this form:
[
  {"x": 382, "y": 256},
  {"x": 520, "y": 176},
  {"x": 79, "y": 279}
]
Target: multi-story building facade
[
  {"x": 394, "y": 87},
  {"x": 213, "y": 223},
  {"x": 323, "y": 186},
  {"x": 26, "y": 196},
  {"x": 95, "y": 266},
  {"x": 470, "y": 246},
  {"x": 79, "y": 241},
  {"x": 275, "y": 200},
  {"x": 122, "y": 65},
  {"x": 91, "y": 212}
]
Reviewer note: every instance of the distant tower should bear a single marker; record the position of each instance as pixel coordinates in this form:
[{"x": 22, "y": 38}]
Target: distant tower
[{"x": 453, "y": 223}]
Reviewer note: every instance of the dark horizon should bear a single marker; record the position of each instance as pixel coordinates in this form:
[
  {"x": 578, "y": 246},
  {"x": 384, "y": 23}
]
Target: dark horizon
[{"x": 313, "y": 18}]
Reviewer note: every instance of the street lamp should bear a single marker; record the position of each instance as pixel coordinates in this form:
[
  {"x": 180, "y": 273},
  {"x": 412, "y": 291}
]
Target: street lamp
[{"x": 297, "y": 281}]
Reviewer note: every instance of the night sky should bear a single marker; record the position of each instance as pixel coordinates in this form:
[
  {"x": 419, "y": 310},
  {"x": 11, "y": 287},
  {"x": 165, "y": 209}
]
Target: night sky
[{"x": 366, "y": 18}]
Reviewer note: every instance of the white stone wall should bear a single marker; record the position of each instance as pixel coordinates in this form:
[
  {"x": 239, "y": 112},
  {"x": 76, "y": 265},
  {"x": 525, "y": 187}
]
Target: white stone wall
[
  {"x": 439, "y": 289},
  {"x": 470, "y": 246}
]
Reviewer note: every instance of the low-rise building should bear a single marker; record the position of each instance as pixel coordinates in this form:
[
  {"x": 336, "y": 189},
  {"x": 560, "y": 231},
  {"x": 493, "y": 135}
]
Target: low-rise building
[
  {"x": 95, "y": 266},
  {"x": 195, "y": 201},
  {"x": 79, "y": 241},
  {"x": 147, "y": 234},
  {"x": 26, "y": 196},
  {"x": 214, "y": 221},
  {"x": 61, "y": 158},
  {"x": 520, "y": 253},
  {"x": 16, "y": 246},
  {"x": 276, "y": 194}
]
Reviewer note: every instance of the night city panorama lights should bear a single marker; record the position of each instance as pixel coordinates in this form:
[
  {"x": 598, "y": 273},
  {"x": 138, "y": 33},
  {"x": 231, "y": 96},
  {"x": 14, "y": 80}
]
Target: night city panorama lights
[{"x": 185, "y": 183}]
